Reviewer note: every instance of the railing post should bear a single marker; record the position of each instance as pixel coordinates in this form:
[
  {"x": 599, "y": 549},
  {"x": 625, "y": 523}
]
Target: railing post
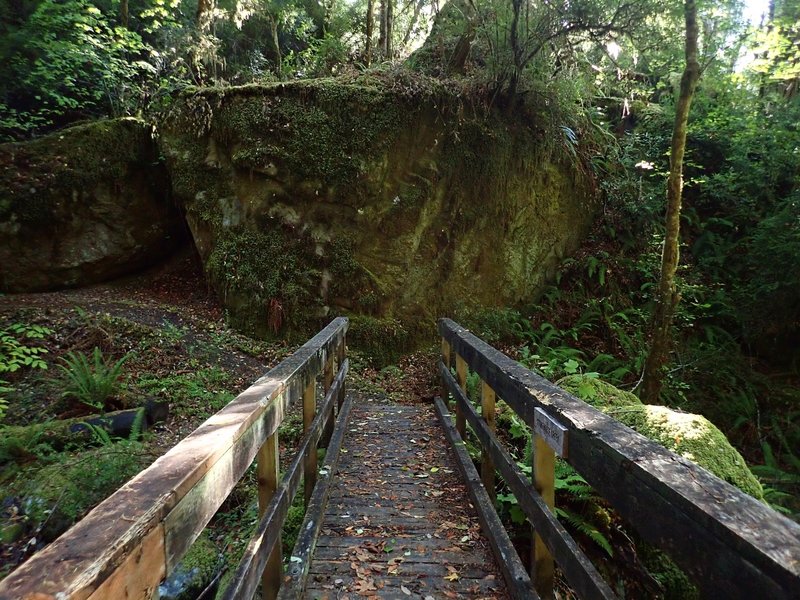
[
  {"x": 446, "y": 361},
  {"x": 461, "y": 376},
  {"x": 327, "y": 380},
  {"x": 488, "y": 411},
  {"x": 544, "y": 464},
  {"x": 341, "y": 354},
  {"x": 310, "y": 463},
  {"x": 267, "y": 471}
]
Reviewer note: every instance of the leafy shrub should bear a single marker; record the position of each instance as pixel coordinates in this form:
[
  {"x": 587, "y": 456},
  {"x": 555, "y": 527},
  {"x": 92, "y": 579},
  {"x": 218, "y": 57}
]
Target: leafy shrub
[
  {"x": 68, "y": 61},
  {"x": 15, "y": 354},
  {"x": 95, "y": 383}
]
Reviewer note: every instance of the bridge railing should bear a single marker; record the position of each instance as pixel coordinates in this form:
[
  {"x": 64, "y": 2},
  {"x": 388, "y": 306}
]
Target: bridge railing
[
  {"x": 130, "y": 542},
  {"x": 732, "y": 545}
]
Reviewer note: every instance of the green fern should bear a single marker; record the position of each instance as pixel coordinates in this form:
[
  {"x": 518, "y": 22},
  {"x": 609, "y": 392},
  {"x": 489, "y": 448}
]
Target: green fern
[
  {"x": 92, "y": 383},
  {"x": 137, "y": 426},
  {"x": 584, "y": 526}
]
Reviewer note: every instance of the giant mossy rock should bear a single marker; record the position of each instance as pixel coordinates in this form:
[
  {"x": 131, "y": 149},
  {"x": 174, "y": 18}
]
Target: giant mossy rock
[
  {"x": 391, "y": 196},
  {"x": 692, "y": 436},
  {"x": 83, "y": 205}
]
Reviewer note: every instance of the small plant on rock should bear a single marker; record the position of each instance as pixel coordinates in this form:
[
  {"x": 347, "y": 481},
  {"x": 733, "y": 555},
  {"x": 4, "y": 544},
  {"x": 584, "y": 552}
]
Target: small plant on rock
[{"x": 94, "y": 382}]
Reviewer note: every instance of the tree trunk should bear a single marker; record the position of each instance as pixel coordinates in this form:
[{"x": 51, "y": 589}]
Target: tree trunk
[
  {"x": 205, "y": 13},
  {"x": 389, "y": 27},
  {"x": 370, "y": 28},
  {"x": 123, "y": 13},
  {"x": 382, "y": 32},
  {"x": 666, "y": 295},
  {"x": 276, "y": 46}
]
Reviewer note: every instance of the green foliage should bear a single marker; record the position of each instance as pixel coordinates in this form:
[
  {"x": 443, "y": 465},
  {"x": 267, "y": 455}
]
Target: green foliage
[
  {"x": 268, "y": 273},
  {"x": 93, "y": 383},
  {"x": 201, "y": 392},
  {"x": 61, "y": 493},
  {"x": 16, "y": 354},
  {"x": 382, "y": 340},
  {"x": 69, "y": 59}
]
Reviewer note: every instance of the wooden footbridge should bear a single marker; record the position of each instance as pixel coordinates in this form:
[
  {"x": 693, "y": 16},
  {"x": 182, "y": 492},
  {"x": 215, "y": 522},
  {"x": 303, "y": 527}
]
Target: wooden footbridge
[{"x": 397, "y": 509}]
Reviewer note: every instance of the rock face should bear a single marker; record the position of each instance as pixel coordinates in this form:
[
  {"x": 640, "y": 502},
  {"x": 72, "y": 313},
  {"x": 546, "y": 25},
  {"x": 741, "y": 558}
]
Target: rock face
[
  {"x": 395, "y": 199},
  {"x": 692, "y": 436},
  {"x": 83, "y": 205}
]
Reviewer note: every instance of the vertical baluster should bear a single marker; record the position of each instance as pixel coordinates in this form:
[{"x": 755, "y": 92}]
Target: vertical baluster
[
  {"x": 461, "y": 376},
  {"x": 267, "y": 472},
  {"x": 488, "y": 410},
  {"x": 544, "y": 461},
  {"x": 327, "y": 380},
  {"x": 342, "y": 355},
  {"x": 446, "y": 360},
  {"x": 310, "y": 464}
]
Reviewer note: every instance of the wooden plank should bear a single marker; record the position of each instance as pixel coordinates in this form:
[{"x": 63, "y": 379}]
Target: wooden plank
[
  {"x": 544, "y": 464},
  {"x": 248, "y": 574},
  {"x": 517, "y": 580},
  {"x": 489, "y": 415},
  {"x": 268, "y": 474},
  {"x": 730, "y": 543},
  {"x": 295, "y": 580},
  {"x": 139, "y": 574},
  {"x": 461, "y": 375},
  {"x": 446, "y": 360},
  {"x": 309, "y": 411},
  {"x": 327, "y": 378},
  {"x": 81, "y": 559},
  {"x": 577, "y": 568},
  {"x": 191, "y": 514}
]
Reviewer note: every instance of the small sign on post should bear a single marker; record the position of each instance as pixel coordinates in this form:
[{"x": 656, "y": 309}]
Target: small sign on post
[{"x": 553, "y": 432}]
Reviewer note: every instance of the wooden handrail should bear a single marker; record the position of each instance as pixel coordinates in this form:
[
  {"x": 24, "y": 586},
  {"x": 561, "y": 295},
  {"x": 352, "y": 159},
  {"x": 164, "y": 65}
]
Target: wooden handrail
[
  {"x": 127, "y": 545},
  {"x": 730, "y": 543}
]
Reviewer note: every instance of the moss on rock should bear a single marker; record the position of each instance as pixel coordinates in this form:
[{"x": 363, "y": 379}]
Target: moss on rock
[
  {"x": 384, "y": 190},
  {"x": 598, "y": 393},
  {"x": 83, "y": 205},
  {"x": 692, "y": 436}
]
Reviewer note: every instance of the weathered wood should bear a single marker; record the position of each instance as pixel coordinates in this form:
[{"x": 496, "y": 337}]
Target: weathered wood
[
  {"x": 544, "y": 464},
  {"x": 312, "y": 522},
  {"x": 268, "y": 474},
  {"x": 327, "y": 378},
  {"x": 730, "y": 543},
  {"x": 341, "y": 353},
  {"x": 141, "y": 572},
  {"x": 389, "y": 536},
  {"x": 248, "y": 574},
  {"x": 517, "y": 580},
  {"x": 309, "y": 410},
  {"x": 446, "y": 360},
  {"x": 78, "y": 562},
  {"x": 577, "y": 568},
  {"x": 461, "y": 375},
  {"x": 489, "y": 415}
]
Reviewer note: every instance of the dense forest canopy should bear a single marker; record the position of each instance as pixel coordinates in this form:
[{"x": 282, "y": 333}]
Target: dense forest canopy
[{"x": 599, "y": 79}]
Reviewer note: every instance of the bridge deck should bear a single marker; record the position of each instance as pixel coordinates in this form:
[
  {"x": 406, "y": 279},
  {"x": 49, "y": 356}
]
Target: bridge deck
[{"x": 398, "y": 523}]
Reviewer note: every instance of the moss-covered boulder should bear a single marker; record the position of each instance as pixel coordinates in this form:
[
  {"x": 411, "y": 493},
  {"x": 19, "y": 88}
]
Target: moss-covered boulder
[
  {"x": 83, "y": 205},
  {"x": 692, "y": 436},
  {"x": 393, "y": 196},
  {"x": 600, "y": 394}
]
